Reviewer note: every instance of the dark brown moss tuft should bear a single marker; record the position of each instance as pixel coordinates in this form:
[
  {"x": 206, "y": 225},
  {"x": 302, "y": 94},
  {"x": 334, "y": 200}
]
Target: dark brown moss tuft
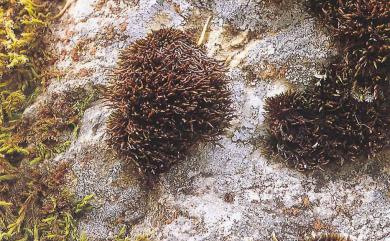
[
  {"x": 331, "y": 237},
  {"x": 344, "y": 115},
  {"x": 362, "y": 29},
  {"x": 325, "y": 124},
  {"x": 166, "y": 95}
]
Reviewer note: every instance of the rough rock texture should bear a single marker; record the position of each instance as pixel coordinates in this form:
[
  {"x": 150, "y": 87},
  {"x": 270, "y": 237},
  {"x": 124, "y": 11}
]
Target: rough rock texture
[{"x": 226, "y": 190}]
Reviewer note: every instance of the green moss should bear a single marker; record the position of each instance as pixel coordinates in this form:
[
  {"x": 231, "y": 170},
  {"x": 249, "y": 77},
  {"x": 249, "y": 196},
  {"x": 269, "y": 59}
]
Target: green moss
[
  {"x": 31, "y": 194},
  {"x": 121, "y": 236},
  {"x": 34, "y": 203},
  {"x": 56, "y": 123},
  {"x": 23, "y": 24}
]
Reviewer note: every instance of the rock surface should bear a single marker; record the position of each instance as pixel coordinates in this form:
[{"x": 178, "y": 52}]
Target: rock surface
[{"x": 227, "y": 190}]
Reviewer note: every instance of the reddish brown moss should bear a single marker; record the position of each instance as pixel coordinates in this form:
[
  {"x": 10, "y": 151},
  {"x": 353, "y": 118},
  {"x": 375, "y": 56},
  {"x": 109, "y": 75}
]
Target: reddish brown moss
[
  {"x": 330, "y": 237},
  {"x": 166, "y": 95},
  {"x": 35, "y": 199}
]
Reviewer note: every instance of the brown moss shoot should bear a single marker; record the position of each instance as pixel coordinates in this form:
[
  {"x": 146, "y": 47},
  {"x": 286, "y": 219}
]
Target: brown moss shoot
[{"x": 166, "y": 95}]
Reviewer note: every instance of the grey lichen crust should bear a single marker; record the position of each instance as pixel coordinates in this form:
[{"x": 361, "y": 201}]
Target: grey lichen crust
[{"x": 228, "y": 190}]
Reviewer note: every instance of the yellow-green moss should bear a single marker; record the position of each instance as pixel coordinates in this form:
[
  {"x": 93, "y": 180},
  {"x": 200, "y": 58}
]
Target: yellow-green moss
[
  {"x": 121, "y": 236},
  {"x": 34, "y": 203},
  {"x": 22, "y": 25}
]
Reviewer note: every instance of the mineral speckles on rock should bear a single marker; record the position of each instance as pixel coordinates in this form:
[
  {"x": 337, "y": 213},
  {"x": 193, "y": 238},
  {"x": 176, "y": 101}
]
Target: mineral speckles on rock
[
  {"x": 96, "y": 171},
  {"x": 294, "y": 49},
  {"x": 270, "y": 44},
  {"x": 83, "y": 9},
  {"x": 290, "y": 49},
  {"x": 256, "y": 15}
]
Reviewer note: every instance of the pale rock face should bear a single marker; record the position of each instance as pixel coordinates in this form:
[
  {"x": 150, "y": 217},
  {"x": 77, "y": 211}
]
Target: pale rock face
[{"x": 227, "y": 190}]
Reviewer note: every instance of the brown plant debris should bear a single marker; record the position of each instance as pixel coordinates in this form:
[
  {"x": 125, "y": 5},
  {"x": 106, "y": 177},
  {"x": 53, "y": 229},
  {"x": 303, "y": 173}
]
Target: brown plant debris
[{"x": 166, "y": 95}]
